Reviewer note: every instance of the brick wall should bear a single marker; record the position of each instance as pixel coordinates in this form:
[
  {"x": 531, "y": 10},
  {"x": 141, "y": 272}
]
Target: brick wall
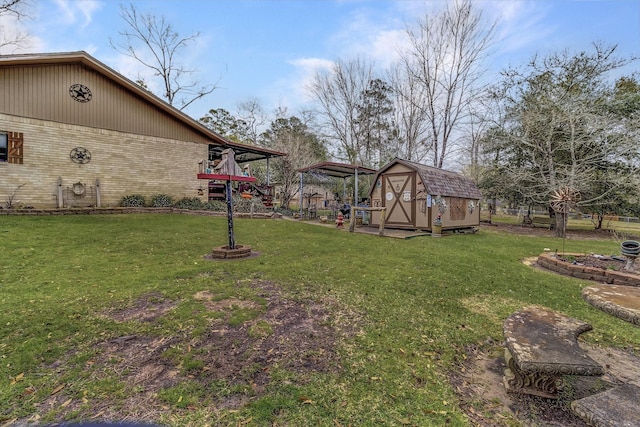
[{"x": 123, "y": 163}]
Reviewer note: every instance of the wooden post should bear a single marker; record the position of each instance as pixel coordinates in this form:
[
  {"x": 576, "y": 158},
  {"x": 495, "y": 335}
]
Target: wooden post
[
  {"x": 98, "y": 195},
  {"x": 60, "y": 196},
  {"x": 352, "y": 224},
  {"x": 382, "y": 215},
  {"x": 352, "y": 219}
]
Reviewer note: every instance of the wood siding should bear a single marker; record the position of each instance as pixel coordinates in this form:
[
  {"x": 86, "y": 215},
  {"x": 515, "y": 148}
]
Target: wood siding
[
  {"x": 42, "y": 92},
  {"x": 461, "y": 212}
]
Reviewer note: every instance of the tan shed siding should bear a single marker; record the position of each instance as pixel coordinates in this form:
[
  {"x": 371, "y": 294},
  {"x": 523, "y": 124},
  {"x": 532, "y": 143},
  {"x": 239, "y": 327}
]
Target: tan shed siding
[
  {"x": 124, "y": 163},
  {"x": 457, "y": 214},
  {"x": 453, "y": 217},
  {"x": 42, "y": 92},
  {"x": 422, "y": 212},
  {"x": 399, "y": 168}
]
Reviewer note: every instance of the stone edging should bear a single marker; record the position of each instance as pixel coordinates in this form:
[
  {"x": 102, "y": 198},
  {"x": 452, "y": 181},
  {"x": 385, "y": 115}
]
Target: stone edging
[
  {"x": 614, "y": 407},
  {"x": 103, "y": 211},
  {"x": 550, "y": 262},
  {"x": 619, "y": 301}
]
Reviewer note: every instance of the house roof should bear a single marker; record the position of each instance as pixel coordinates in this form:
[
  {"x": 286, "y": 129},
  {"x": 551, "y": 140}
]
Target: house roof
[
  {"x": 339, "y": 170},
  {"x": 438, "y": 182},
  {"x": 244, "y": 152}
]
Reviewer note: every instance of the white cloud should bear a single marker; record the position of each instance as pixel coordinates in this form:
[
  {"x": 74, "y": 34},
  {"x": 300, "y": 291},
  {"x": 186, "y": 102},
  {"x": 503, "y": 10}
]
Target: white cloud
[
  {"x": 88, "y": 8},
  {"x": 91, "y": 49},
  {"x": 376, "y": 37},
  {"x": 134, "y": 70},
  {"x": 520, "y": 23},
  {"x": 294, "y": 89},
  {"x": 12, "y": 29},
  {"x": 56, "y": 25},
  {"x": 312, "y": 64},
  {"x": 386, "y": 45},
  {"x": 368, "y": 35},
  {"x": 66, "y": 14},
  {"x": 70, "y": 9}
]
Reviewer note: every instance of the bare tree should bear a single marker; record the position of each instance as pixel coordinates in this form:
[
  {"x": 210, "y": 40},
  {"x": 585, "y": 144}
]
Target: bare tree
[
  {"x": 153, "y": 42},
  {"x": 16, "y": 8},
  {"x": 254, "y": 116},
  {"x": 12, "y": 37},
  {"x": 471, "y": 156},
  {"x": 409, "y": 114},
  {"x": 338, "y": 94},
  {"x": 445, "y": 59}
]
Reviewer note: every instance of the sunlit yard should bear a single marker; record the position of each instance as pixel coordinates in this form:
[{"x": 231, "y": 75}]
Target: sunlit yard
[{"x": 391, "y": 320}]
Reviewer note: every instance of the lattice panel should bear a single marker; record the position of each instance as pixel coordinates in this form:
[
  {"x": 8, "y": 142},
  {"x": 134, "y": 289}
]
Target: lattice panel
[{"x": 458, "y": 208}]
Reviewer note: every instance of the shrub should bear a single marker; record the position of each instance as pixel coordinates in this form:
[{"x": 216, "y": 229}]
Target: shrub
[
  {"x": 215, "y": 205},
  {"x": 239, "y": 205},
  {"x": 161, "y": 201},
  {"x": 284, "y": 211},
  {"x": 133, "y": 201},
  {"x": 243, "y": 205},
  {"x": 188, "y": 203}
]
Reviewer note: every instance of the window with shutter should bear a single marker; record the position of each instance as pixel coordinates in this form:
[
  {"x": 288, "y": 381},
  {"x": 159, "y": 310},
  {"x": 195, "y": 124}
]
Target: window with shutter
[
  {"x": 15, "y": 149},
  {"x": 4, "y": 147}
]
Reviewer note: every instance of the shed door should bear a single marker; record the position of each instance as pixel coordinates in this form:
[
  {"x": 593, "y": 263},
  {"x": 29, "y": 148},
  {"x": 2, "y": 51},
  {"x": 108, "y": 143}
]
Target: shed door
[{"x": 398, "y": 196}]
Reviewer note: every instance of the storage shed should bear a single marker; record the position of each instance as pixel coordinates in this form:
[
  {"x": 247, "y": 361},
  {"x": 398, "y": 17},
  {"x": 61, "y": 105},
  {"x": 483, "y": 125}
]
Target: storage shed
[{"x": 409, "y": 192}]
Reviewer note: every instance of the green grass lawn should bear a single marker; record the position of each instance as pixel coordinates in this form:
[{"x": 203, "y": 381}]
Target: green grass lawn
[{"x": 398, "y": 315}]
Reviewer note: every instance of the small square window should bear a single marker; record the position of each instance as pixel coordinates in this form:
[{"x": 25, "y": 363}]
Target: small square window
[{"x": 4, "y": 151}]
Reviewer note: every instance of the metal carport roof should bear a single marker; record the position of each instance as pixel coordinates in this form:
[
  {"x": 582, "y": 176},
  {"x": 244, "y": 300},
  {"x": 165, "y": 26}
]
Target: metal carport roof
[{"x": 338, "y": 170}]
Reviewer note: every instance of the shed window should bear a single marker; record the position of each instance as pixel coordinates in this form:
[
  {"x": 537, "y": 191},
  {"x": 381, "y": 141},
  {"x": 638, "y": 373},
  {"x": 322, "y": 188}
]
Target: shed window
[{"x": 4, "y": 140}]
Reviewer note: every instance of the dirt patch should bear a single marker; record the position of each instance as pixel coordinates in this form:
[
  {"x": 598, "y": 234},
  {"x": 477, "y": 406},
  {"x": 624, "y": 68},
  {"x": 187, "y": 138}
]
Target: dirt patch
[
  {"x": 486, "y": 402},
  {"x": 140, "y": 358},
  {"x": 290, "y": 335},
  {"x": 212, "y": 303},
  {"x": 228, "y": 364},
  {"x": 147, "y": 308},
  {"x": 144, "y": 378}
]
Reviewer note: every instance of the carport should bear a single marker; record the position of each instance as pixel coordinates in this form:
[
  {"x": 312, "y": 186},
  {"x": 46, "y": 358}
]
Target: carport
[{"x": 337, "y": 170}]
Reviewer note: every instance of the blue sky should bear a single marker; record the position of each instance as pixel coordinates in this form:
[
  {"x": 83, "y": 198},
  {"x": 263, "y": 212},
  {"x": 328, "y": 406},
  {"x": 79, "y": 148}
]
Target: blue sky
[{"x": 267, "y": 50}]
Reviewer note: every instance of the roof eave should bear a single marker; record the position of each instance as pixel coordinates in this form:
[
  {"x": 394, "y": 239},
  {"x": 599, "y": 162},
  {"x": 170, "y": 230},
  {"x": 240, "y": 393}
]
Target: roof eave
[{"x": 89, "y": 61}]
